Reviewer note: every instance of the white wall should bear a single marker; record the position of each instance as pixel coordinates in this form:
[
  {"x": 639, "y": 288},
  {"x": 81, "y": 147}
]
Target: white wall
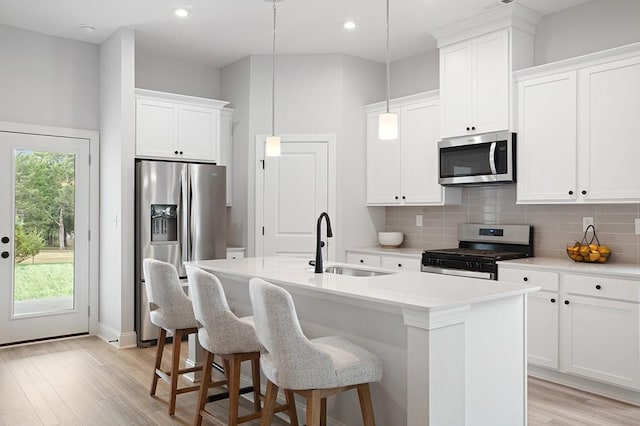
[
  {"x": 587, "y": 28},
  {"x": 236, "y": 77},
  {"x": 117, "y": 134},
  {"x": 415, "y": 74},
  {"x": 314, "y": 94},
  {"x": 173, "y": 75},
  {"x": 48, "y": 80}
]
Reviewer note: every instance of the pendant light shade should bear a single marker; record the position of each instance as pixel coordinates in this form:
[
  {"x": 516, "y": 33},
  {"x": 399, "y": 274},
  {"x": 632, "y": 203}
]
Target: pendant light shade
[
  {"x": 388, "y": 121},
  {"x": 272, "y": 146}
]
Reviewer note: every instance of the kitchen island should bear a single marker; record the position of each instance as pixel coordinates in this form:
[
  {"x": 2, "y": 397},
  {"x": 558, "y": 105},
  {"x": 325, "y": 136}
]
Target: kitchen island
[{"x": 453, "y": 348}]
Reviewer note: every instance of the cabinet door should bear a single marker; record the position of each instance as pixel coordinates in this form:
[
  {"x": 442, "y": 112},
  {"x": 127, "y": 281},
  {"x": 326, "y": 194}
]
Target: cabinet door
[
  {"x": 609, "y": 112},
  {"x": 363, "y": 259},
  {"x": 455, "y": 88},
  {"x": 542, "y": 328},
  {"x": 419, "y": 154},
  {"x": 547, "y": 139},
  {"x": 156, "y": 128},
  {"x": 491, "y": 76},
  {"x": 600, "y": 340},
  {"x": 226, "y": 137},
  {"x": 400, "y": 263},
  {"x": 198, "y": 133},
  {"x": 383, "y": 165}
]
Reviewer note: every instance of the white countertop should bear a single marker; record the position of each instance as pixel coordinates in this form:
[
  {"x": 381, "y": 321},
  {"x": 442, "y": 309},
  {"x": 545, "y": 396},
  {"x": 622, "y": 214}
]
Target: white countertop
[
  {"x": 407, "y": 289},
  {"x": 623, "y": 270},
  {"x": 403, "y": 252}
]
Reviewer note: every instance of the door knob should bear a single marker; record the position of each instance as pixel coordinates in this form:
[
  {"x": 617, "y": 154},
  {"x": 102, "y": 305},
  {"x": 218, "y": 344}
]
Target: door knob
[
  {"x": 5, "y": 254},
  {"x": 5, "y": 240}
]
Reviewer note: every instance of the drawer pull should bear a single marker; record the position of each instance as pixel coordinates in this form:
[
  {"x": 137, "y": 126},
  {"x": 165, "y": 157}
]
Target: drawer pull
[
  {"x": 566, "y": 302},
  {"x": 399, "y": 265},
  {"x": 553, "y": 300},
  {"x": 361, "y": 260},
  {"x": 525, "y": 279},
  {"x": 598, "y": 287}
]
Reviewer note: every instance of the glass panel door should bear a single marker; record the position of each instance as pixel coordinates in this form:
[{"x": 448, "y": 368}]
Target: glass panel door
[{"x": 44, "y": 236}]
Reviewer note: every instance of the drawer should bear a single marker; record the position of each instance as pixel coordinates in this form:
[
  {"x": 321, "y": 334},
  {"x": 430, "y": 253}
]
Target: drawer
[
  {"x": 611, "y": 288},
  {"x": 363, "y": 259},
  {"x": 235, "y": 253},
  {"x": 400, "y": 263},
  {"x": 546, "y": 280}
]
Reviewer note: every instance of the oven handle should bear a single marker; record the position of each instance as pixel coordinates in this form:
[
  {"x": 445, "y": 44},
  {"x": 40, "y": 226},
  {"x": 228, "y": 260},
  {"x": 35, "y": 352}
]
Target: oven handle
[
  {"x": 492, "y": 158},
  {"x": 459, "y": 272}
]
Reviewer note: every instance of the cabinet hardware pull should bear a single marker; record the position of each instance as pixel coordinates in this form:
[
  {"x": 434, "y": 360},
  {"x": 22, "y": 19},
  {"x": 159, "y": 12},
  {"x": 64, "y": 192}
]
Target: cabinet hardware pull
[
  {"x": 468, "y": 129},
  {"x": 566, "y": 302},
  {"x": 396, "y": 197},
  {"x": 525, "y": 279},
  {"x": 598, "y": 286},
  {"x": 176, "y": 152},
  {"x": 584, "y": 192},
  {"x": 404, "y": 198},
  {"x": 361, "y": 260},
  {"x": 399, "y": 265},
  {"x": 553, "y": 300},
  {"x": 473, "y": 127},
  {"x": 570, "y": 192}
]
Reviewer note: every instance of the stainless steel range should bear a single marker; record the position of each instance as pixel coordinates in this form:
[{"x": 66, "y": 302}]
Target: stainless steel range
[{"x": 479, "y": 248}]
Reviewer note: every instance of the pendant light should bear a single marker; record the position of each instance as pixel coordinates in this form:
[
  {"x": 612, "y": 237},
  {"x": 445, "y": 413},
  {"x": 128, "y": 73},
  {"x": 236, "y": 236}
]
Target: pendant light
[
  {"x": 272, "y": 146},
  {"x": 388, "y": 122}
]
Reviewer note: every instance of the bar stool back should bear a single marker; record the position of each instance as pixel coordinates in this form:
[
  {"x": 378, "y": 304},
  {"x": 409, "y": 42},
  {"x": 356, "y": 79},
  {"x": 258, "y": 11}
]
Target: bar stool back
[
  {"x": 315, "y": 368},
  {"x": 171, "y": 310},
  {"x": 233, "y": 339}
]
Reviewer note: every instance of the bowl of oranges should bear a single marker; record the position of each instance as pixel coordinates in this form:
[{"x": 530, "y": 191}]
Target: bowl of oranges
[{"x": 588, "y": 250}]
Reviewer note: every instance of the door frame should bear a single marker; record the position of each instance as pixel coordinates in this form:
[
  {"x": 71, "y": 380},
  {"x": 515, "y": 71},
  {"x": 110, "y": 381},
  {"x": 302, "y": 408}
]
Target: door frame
[
  {"x": 330, "y": 140},
  {"x": 93, "y": 139}
]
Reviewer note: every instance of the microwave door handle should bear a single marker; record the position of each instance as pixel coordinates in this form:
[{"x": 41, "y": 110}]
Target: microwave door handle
[{"x": 492, "y": 158}]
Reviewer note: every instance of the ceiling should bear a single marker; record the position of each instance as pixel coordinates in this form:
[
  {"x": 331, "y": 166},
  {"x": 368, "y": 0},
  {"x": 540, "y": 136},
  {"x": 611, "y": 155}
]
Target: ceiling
[{"x": 218, "y": 32}]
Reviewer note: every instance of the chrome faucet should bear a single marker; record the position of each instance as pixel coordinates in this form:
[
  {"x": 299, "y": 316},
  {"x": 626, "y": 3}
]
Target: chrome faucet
[{"x": 320, "y": 244}]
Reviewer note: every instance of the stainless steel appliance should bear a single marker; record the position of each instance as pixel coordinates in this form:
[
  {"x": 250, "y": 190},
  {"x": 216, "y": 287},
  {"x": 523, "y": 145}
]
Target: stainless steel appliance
[
  {"x": 180, "y": 216},
  {"x": 479, "y": 248},
  {"x": 482, "y": 159}
]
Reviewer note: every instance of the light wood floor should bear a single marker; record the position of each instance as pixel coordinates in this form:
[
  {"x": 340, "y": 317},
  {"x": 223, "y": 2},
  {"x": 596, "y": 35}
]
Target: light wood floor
[{"x": 87, "y": 382}]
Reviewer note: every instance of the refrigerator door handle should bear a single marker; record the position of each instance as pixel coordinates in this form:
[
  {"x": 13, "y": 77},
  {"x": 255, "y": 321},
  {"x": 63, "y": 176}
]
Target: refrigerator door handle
[
  {"x": 184, "y": 216},
  {"x": 192, "y": 225}
]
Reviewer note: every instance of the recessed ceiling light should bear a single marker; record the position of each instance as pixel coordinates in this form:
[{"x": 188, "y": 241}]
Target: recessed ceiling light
[
  {"x": 87, "y": 28},
  {"x": 349, "y": 25},
  {"x": 182, "y": 13}
]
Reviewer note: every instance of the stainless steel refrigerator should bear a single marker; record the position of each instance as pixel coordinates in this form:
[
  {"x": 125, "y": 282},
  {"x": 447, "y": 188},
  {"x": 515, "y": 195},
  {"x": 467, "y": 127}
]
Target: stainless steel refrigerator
[{"x": 180, "y": 216}]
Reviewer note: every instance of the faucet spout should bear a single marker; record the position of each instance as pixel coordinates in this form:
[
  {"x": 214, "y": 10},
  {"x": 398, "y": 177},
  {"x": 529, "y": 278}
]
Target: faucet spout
[{"x": 319, "y": 243}]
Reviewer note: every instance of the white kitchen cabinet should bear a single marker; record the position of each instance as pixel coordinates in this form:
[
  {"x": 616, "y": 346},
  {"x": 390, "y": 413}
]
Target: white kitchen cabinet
[
  {"x": 363, "y": 259},
  {"x": 576, "y": 127},
  {"x": 592, "y": 330},
  {"x": 235, "y": 253},
  {"x": 475, "y": 85},
  {"x": 226, "y": 139},
  {"x": 171, "y": 126},
  {"x": 405, "y": 171},
  {"x": 542, "y": 314},
  {"x": 400, "y": 263}
]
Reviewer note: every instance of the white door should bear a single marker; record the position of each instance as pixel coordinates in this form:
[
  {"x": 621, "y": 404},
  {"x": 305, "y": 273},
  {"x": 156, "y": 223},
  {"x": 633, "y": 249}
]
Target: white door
[
  {"x": 296, "y": 189},
  {"x": 44, "y": 236}
]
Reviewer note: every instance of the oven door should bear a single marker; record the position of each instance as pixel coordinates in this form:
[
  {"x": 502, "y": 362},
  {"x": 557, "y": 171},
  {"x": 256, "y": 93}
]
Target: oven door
[
  {"x": 488, "y": 158},
  {"x": 459, "y": 272}
]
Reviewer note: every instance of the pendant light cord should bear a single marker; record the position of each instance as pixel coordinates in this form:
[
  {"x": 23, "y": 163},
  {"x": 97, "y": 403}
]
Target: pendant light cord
[
  {"x": 388, "y": 84},
  {"x": 273, "y": 75}
]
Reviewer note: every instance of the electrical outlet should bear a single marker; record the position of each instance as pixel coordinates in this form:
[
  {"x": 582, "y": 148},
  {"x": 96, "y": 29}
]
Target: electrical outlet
[
  {"x": 586, "y": 221},
  {"x": 419, "y": 220},
  {"x": 638, "y": 226}
]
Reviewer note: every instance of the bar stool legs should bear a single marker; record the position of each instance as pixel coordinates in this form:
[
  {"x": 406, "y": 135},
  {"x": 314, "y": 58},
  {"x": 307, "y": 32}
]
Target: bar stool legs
[{"x": 172, "y": 375}]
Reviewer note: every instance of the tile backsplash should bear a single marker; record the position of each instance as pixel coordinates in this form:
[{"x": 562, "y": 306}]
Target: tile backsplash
[{"x": 553, "y": 225}]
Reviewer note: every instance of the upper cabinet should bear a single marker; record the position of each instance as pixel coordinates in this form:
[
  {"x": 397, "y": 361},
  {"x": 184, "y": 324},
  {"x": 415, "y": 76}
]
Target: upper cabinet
[
  {"x": 577, "y": 124},
  {"x": 474, "y": 81},
  {"x": 405, "y": 171},
  {"x": 177, "y": 127},
  {"x": 477, "y": 57}
]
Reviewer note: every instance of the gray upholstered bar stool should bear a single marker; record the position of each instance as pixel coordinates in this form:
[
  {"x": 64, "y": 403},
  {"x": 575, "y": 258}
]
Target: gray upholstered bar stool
[
  {"x": 233, "y": 339},
  {"x": 171, "y": 310},
  {"x": 315, "y": 368}
]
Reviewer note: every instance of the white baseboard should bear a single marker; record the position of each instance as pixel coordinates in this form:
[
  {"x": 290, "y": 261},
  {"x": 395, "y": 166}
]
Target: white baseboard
[{"x": 116, "y": 338}]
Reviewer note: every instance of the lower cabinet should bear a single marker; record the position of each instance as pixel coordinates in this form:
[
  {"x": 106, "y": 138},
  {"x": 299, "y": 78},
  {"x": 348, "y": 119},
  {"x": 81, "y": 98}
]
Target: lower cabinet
[
  {"x": 587, "y": 325},
  {"x": 401, "y": 263}
]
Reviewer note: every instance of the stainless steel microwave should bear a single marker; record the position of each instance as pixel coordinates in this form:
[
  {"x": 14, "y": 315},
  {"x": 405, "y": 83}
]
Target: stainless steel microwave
[{"x": 480, "y": 159}]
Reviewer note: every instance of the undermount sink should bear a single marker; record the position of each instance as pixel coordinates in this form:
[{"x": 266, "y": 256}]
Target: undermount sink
[{"x": 353, "y": 272}]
